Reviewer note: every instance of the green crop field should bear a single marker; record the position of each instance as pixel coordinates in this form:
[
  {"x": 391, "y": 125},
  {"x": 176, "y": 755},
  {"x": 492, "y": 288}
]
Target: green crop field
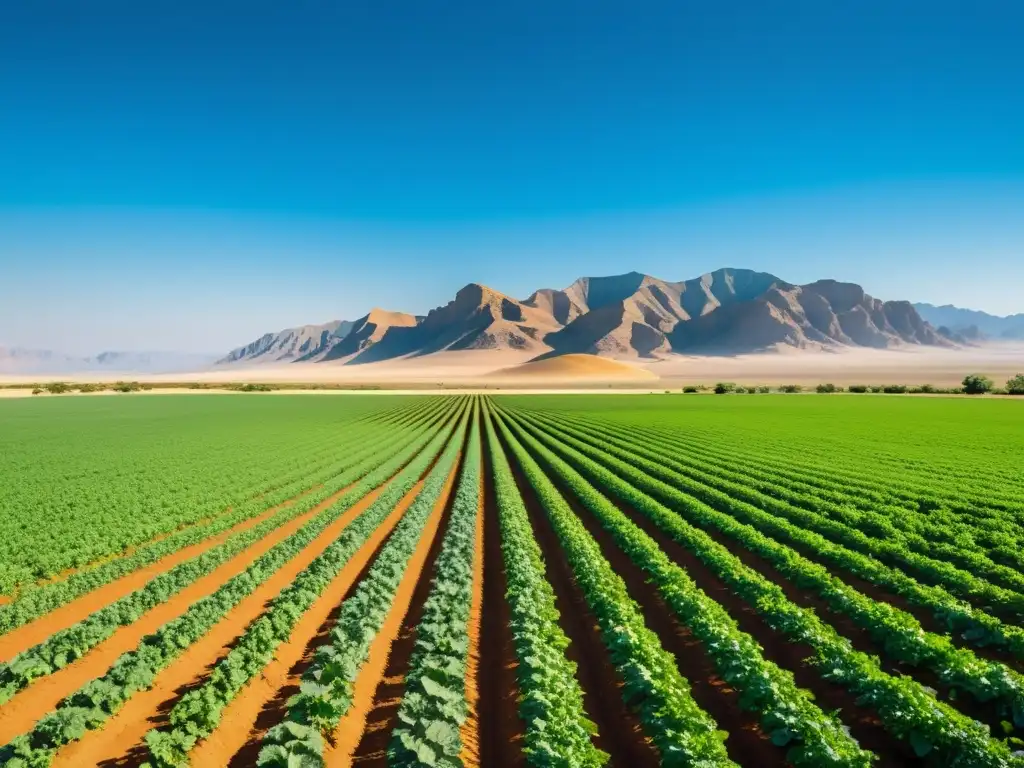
[{"x": 556, "y": 580}]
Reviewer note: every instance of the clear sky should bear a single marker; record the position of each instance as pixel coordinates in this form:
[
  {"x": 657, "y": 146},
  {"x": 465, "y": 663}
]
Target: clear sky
[{"x": 187, "y": 175}]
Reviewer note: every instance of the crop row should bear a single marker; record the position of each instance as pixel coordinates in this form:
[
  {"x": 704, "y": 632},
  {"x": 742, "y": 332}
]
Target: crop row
[
  {"x": 65, "y": 646},
  {"x": 434, "y": 706},
  {"x": 98, "y": 700},
  {"x": 96, "y": 488},
  {"x": 327, "y": 687},
  {"x": 653, "y": 687},
  {"x": 976, "y": 626},
  {"x": 198, "y": 712},
  {"x": 787, "y": 713},
  {"x": 904, "y": 707},
  {"x": 34, "y": 603},
  {"x": 557, "y": 731},
  {"x": 943, "y": 537}
]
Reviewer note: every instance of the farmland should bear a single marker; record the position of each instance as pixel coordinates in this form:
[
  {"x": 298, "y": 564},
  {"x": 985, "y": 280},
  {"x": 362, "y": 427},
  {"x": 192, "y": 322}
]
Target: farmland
[{"x": 510, "y": 581}]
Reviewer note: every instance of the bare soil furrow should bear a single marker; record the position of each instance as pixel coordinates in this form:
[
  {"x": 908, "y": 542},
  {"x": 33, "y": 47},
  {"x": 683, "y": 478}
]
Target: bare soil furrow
[
  {"x": 119, "y": 742},
  {"x": 342, "y": 746},
  {"x": 500, "y": 735}
]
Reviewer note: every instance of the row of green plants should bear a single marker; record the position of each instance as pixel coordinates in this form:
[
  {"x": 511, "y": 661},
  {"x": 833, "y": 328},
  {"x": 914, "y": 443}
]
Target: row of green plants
[
  {"x": 932, "y": 728},
  {"x": 557, "y": 731},
  {"x": 938, "y": 484},
  {"x": 198, "y": 713},
  {"x": 98, "y": 700},
  {"x": 67, "y": 645},
  {"x": 956, "y": 581},
  {"x": 92, "y": 485},
  {"x": 975, "y": 626},
  {"x": 985, "y": 529},
  {"x": 947, "y": 546},
  {"x": 434, "y": 706},
  {"x": 35, "y": 602},
  {"x": 652, "y": 686},
  {"x": 327, "y": 687},
  {"x": 898, "y": 633},
  {"x": 787, "y": 713}
]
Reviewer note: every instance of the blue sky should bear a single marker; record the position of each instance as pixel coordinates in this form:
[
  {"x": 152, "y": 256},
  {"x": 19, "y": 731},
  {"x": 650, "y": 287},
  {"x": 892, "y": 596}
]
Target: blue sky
[{"x": 183, "y": 175}]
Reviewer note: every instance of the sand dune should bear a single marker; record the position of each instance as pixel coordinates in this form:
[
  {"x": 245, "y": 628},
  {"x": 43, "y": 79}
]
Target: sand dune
[{"x": 574, "y": 367}]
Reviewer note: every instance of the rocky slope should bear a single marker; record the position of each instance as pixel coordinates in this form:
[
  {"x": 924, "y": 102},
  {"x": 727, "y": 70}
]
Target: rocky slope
[{"x": 634, "y": 315}]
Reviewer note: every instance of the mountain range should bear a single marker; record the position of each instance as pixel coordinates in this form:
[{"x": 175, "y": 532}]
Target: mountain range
[
  {"x": 971, "y": 323},
  {"x": 21, "y": 361},
  {"x": 729, "y": 311}
]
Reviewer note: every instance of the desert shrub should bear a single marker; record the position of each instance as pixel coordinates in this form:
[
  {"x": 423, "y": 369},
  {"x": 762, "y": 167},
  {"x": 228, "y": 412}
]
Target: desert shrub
[
  {"x": 37, "y": 391},
  {"x": 790, "y": 389},
  {"x": 826, "y": 389},
  {"x": 1015, "y": 386},
  {"x": 876, "y": 389},
  {"x": 127, "y": 386},
  {"x": 976, "y": 384},
  {"x": 254, "y": 388},
  {"x": 752, "y": 390},
  {"x": 924, "y": 389},
  {"x": 58, "y": 387},
  {"x": 895, "y": 389},
  {"x": 859, "y": 389},
  {"x": 90, "y": 388},
  {"x": 724, "y": 387},
  {"x": 690, "y": 390},
  {"x": 764, "y": 390}
]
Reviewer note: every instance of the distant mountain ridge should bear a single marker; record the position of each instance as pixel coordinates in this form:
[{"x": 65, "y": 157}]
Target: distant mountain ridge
[
  {"x": 728, "y": 311},
  {"x": 21, "y": 361},
  {"x": 972, "y": 322}
]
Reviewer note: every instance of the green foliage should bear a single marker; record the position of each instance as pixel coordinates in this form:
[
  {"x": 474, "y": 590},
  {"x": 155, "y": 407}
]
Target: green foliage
[
  {"x": 1015, "y": 386},
  {"x": 977, "y": 384},
  {"x": 724, "y": 387},
  {"x": 326, "y": 688},
  {"x": 857, "y": 388},
  {"x": 895, "y": 389},
  {"x": 791, "y": 388},
  {"x": 827, "y": 389},
  {"x": 58, "y": 387},
  {"x": 690, "y": 389},
  {"x": 905, "y": 708},
  {"x": 127, "y": 386}
]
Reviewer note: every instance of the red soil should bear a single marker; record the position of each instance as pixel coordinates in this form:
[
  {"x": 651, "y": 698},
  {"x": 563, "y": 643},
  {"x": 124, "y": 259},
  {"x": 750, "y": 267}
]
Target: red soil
[
  {"x": 350, "y": 731},
  {"x": 470, "y": 731},
  {"x": 118, "y": 742},
  {"x": 242, "y": 715},
  {"x": 500, "y": 730},
  {"x": 22, "y": 711},
  {"x": 37, "y": 631},
  {"x": 619, "y": 731}
]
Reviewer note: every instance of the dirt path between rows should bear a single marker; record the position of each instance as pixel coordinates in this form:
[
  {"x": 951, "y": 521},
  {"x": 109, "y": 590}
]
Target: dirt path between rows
[
  {"x": 40, "y": 629},
  {"x": 500, "y": 734},
  {"x": 119, "y": 741},
  {"x": 243, "y": 732},
  {"x": 747, "y": 744},
  {"x": 383, "y": 715},
  {"x": 350, "y": 730},
  {"x": 21, "y": 713},
  {"x": 619, "y": 732},
  {"x": 470, "y": 732}
]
